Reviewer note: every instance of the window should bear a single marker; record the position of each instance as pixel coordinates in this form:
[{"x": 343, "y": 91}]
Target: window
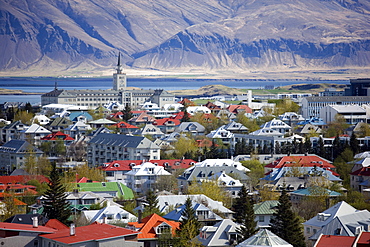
[
  {"x": 308, "y": 230},
  {"x": 261, "y": 218},
  {"x": 163, "y": 229}
]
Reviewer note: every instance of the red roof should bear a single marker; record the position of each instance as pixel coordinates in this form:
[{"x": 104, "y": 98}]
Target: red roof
[
  {"x": 121, "y": 165},
  {"x": 116, "y": 115},
  {"x": 124, "y": 125},
  {"x": 364, "y": 171},
  {"x": 179, "y": 115},
  {"x": 335, "y": 241},
  {"x": 363, "y": 239},
  {"x": 163, "y": 121},
  {"x": 148, "y": 223},
  {"x": 174, "y": 164},
  {"x": 25, "y": 228},
  {"x": 205, "y": 143},
  {"x": 93, "y": 232},
  {"x": 56, "y": 224},
  {"x": 187, "y": 102},
  {"x": 238, "y": 108},
  {"x": 302, "y": 161},
  {"x": 57, "y": 136},
  {"x": 126, "y": 165}
]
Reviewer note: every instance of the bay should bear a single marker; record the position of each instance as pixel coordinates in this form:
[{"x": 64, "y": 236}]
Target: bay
[{"x": 46, "y": 84}]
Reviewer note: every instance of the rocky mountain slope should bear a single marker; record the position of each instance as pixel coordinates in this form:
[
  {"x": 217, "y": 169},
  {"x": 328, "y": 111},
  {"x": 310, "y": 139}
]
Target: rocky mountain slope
[{"x": 237, "y": 35}]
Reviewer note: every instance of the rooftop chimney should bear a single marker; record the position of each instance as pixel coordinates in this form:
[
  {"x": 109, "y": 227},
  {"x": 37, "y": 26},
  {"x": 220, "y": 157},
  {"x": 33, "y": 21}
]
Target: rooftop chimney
[
  {"x": 72, "y": 230},
  {"x": 35, "y": 222}
]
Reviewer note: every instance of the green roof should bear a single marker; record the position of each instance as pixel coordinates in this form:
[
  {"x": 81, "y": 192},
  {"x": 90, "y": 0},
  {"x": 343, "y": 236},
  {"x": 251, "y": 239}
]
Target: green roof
[
  {"x": 121, "y": 189},
  {"x": 265, "y": 208}
]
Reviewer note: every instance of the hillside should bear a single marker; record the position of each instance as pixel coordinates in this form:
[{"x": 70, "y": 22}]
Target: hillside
[
  {"x": 212, "y": 90},
  {"x": 228, "y": 37}
]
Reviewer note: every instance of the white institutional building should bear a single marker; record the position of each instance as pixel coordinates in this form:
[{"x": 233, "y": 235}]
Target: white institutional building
[{"x": 119, "y": 94}]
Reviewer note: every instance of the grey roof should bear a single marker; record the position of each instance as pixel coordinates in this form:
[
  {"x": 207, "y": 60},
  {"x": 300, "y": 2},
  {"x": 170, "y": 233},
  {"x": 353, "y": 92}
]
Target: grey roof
[
  {"x": 189, "y": 127},
  {"x": 339, "y": 209},
  {"x": 18, "y": 146},
  {"x": 165, "y": 201},
  {"x": 117, "y": 140},
  {"x": 346, "y": 225},
  {"x": 199, "y": 173},
  {"x": 264, "y": 238},
  {"x": 234, "y": 126},
  {"x": 217, "y": 235},
  {"x": 338, "y": 99}
]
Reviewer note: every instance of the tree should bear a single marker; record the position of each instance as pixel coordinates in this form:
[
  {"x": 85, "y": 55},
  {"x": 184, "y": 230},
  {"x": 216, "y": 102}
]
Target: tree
[
  {"x": 55, "y": 205},
  {"x": 189, "y": 224},
  {"x": 127, "y": 113},
  {"x": 24, "y": 116},
  {"x": 244, "y": 214},
  {"x": 9, "y": 206},
  {"x": 285, "y": 223},
  {"x": 211, "y": 189},
  {"x": 185, "y": 145},
  {"x": 185, "y": 117},
  {"x": 152, "y": 204},
  {"x": 353, "y": 143},
  {"x": 336, "y": 127}
]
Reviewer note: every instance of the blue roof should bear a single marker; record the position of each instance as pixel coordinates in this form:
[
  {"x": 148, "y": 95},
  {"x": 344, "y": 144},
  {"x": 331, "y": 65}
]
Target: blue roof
[
  {"x": 313, "y": 121},
  {"x": 308, "y": 192},
  {"x": 73, "y": 116},
  {"x": 176, "y": 215}
]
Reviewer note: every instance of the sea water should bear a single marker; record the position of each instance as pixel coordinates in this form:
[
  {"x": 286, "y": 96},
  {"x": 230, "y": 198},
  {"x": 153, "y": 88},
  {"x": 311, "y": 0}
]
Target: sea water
[{"x": 43, "y": 85}]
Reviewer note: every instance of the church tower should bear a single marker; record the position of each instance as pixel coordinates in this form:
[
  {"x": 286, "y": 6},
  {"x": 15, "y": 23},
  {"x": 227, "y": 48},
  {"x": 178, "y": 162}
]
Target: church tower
[{"x": 119, "y": 78}]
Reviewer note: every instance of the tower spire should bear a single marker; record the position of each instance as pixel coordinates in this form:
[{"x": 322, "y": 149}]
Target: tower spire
[{"x": 119, "y": 66}]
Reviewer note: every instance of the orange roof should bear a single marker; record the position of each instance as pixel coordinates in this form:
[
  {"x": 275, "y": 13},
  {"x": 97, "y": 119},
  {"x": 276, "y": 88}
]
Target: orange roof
[
  {"x": 148, "y": 223},
  {"x": 335, "y": 241},
  {"x": 25, "y": 228},
  {"x": 95, "y": 231},
  {"x": 56, "y": 224},
  {"x": 85, "y": 180},
  {"x": 302, "y": 161},
  {"x": 22, "y": 179},
  {"x": 238, "y": 108}
]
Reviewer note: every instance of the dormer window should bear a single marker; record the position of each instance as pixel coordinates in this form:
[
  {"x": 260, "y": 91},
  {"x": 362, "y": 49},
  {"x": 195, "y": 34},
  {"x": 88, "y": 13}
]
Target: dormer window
[{"x": 163, "y": 228}]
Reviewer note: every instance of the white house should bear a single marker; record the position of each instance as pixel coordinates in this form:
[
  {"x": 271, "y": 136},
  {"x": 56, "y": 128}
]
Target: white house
[
  {"x": 353, "y": 114},
  {"x": 110, "y": 215},
  {"x": 142, "y": 177}
]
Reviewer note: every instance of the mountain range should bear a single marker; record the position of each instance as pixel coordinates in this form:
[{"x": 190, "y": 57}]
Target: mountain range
[{"x": 173, "y": 35}]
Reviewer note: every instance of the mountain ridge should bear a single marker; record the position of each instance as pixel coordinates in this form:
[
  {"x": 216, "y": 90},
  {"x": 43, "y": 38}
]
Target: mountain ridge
[{"x": 41, "y": 36}]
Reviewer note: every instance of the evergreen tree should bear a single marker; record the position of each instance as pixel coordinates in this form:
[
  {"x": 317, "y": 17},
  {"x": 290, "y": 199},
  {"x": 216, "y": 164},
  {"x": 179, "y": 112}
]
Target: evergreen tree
[
  {"x": 152, "y": 204},
  {"x": 321, "y": 148},
  {"x": 244, "y": 214},
  {"x": 353, "y": 142},
  {"x": 285, "y": 223},
  {"x": 127, "y": 113},
  {"x": 239, "y": 207},
  {"x": 55, "y": 205},
  {"x": 189, "y": 225},
  {"x": 307, "y": 145},
  {"x": 277, "y": 148},
  {"x": 185, "y": 117}
]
